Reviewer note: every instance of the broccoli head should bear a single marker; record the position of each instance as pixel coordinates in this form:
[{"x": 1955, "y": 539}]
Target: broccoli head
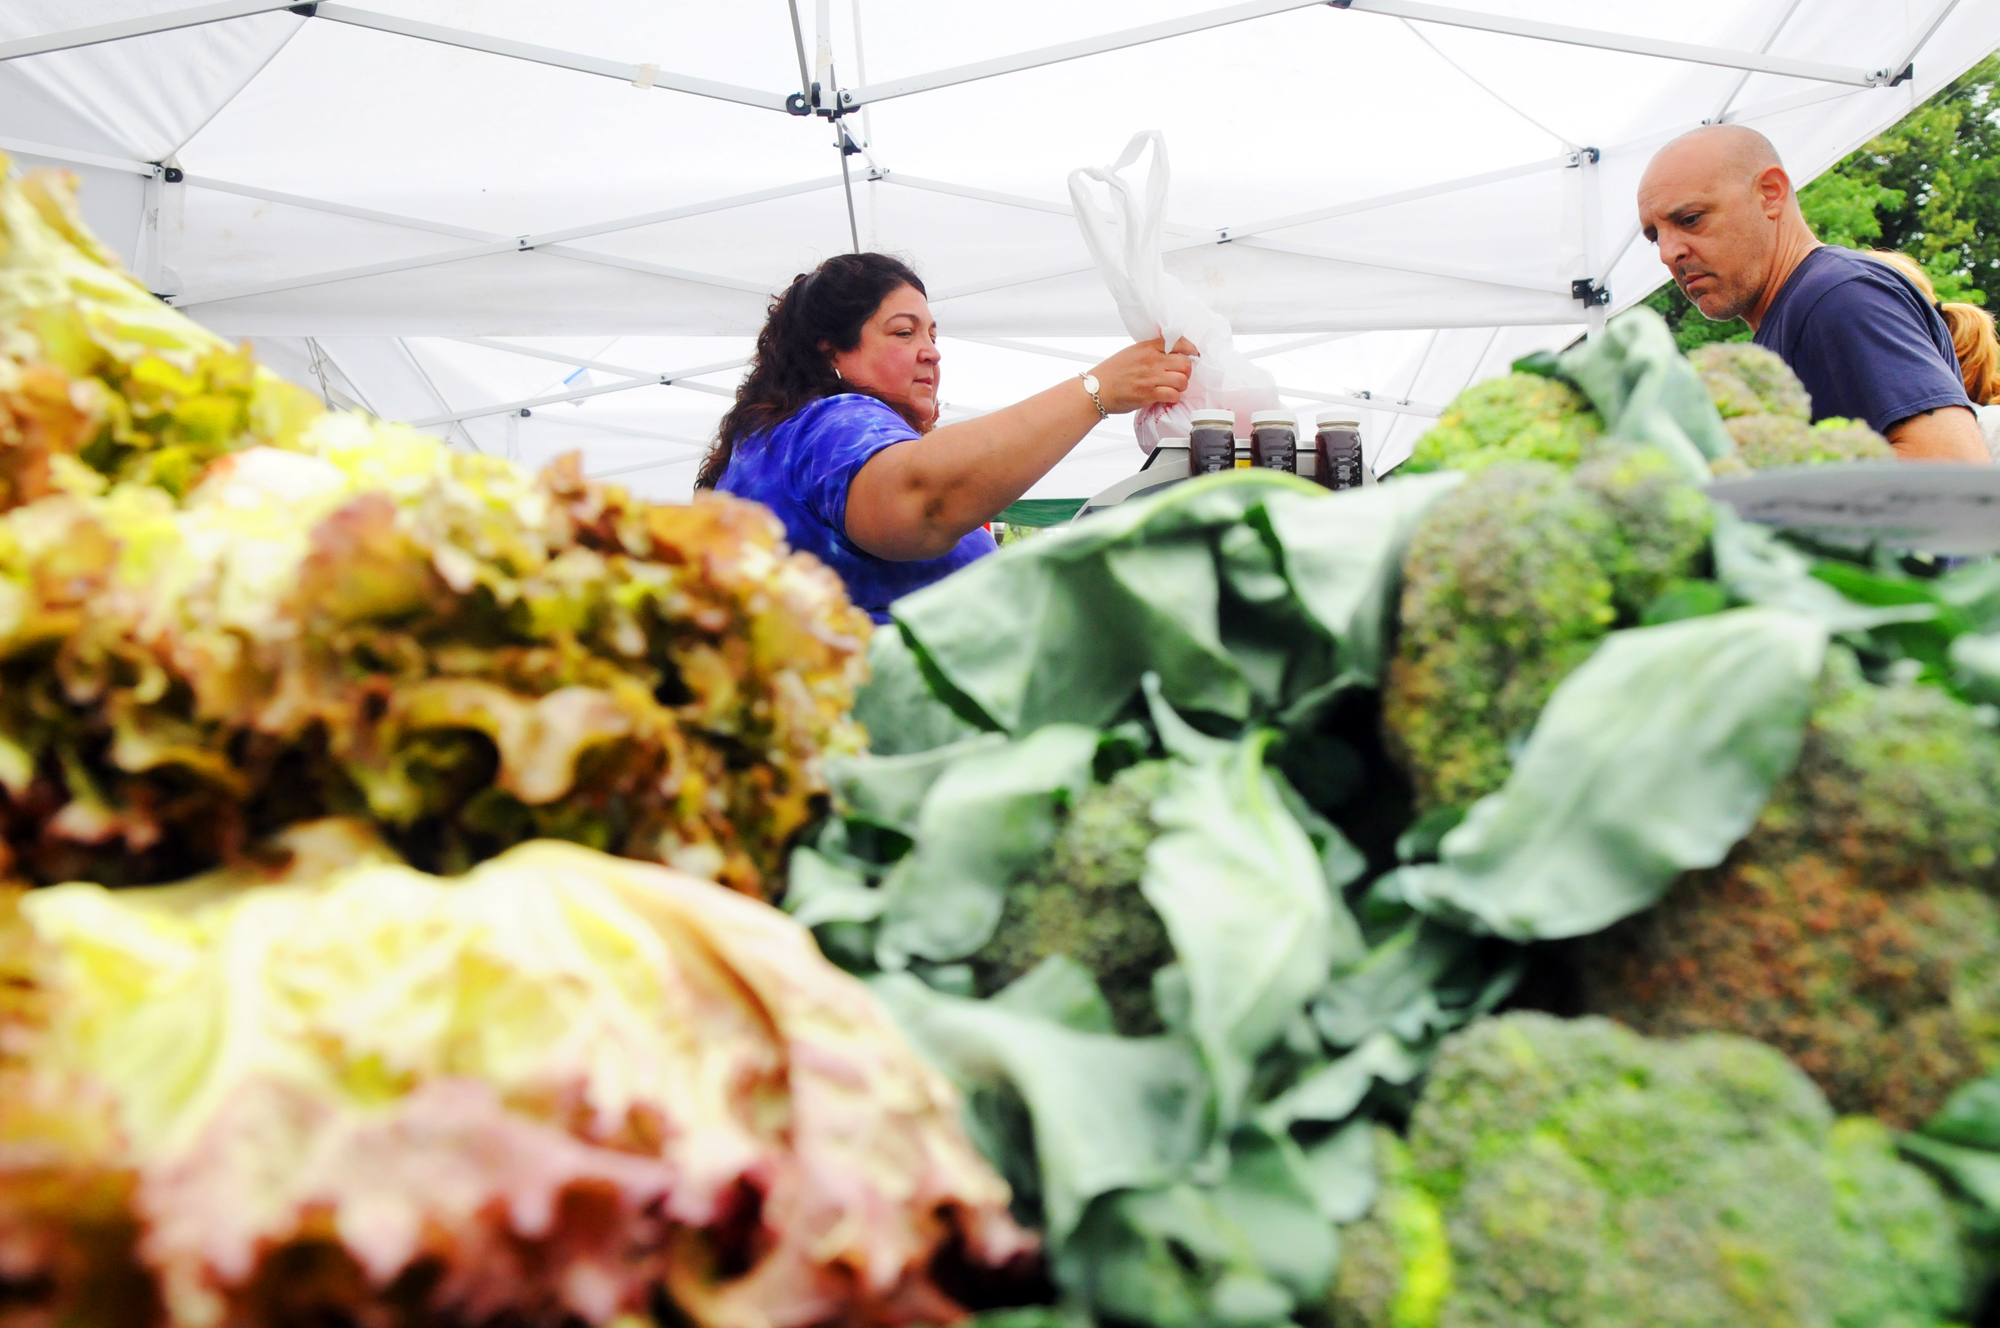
[
  {"x": 1571, "y": 1172},
  {"x": 1083, "y": 901},
  {"x": 1509, "y": 583},
  {"x": 1855, "y": 928},
  {"x": 1519, "y": 417},
  {"x": 1846, "y": 440},
  {"x": 1765, "y": 441},
  {"x": 1662, "y": 522},
  {"x": 1745, "y": 379}
]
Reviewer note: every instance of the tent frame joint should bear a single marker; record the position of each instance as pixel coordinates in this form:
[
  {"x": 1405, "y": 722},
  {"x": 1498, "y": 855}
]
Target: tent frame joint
[
  {"x": 1590, "y": 292},
  {"x": 1584, "y": 155},
  {"x": 308, "y": 10}
]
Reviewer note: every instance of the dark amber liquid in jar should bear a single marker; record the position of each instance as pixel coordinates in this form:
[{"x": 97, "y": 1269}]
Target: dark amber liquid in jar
[
  {"x": 1339, "y": 448},
  {"x": 1275, "y": 447},
  {"x": 1211, "y": 448}
]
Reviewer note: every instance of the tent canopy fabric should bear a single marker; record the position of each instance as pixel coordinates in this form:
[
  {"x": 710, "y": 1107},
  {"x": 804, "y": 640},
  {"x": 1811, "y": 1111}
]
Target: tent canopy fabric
[{"x": 454, "y": 212}]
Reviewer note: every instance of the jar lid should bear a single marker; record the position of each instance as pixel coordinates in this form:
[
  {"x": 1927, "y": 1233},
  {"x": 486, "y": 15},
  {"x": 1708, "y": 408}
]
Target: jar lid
[
  {"x": 1223, "y": 417},
  {"x": 1258, "y": 417},
  {"x": 1338, "y": 417}
]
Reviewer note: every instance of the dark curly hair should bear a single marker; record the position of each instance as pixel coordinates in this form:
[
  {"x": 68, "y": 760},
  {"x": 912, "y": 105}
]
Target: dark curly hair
[{"x": 821, "y": 310}]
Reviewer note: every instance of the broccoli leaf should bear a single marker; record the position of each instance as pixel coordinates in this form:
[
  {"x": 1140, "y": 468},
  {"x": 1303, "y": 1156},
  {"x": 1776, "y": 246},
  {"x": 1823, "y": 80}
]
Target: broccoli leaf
[
  {"x": 1331, "y": 1093},
  {"x": 1062, "y": 991},
  {"x": 819, "y": 890},
  {"x": 1172, "y": 1256},
  {"x": 1977, "y": 660},
  {"x": 1110, "y": 1113},
  {"x": 897, "y": 706},
  {"x": 1056, "y": 629},
  {"x": 1652, "y": 758},
  {"x": 1647, "y": 391},
  {"x": 1339, "y": 1170},
  {"x": 1962, "y": 1142},
  {"x": 1179, "y": 737},
  {"x": 1424, "y": 979},
  {"x": 890, "y": 790},
  {"x": 1975, "y": 591},
  {"x": 983, "y": 822},
  {"x": 1345, "y": 563},
  {"x": 1243, "y": 895}
]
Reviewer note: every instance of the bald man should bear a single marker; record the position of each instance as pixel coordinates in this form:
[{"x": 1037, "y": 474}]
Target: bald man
[{"x": 1866, "y": 344}]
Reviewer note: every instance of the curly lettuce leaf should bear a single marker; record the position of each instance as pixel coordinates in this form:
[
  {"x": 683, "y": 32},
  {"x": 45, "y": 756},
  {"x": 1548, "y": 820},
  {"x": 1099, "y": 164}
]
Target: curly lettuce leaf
[
  {"x": 556, "y": 1082},
  {"x": 467, "y": 653}
]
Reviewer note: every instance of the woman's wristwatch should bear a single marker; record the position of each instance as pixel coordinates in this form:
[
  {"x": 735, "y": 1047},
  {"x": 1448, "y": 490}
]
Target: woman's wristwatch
[{"x": 1090, "y": 386}]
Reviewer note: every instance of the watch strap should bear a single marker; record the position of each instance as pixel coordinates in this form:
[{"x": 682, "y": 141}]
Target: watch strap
[{"x": 1090, "y": 386}]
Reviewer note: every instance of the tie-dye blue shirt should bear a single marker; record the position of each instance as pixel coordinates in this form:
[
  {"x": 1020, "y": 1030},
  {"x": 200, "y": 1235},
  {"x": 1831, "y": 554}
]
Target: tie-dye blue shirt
[{"x": 801, "y": 470}]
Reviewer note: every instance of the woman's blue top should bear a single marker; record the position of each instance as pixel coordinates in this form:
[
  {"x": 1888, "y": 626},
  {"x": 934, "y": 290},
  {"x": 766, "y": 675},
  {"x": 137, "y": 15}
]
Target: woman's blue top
[{"x": 801, "y": 469}]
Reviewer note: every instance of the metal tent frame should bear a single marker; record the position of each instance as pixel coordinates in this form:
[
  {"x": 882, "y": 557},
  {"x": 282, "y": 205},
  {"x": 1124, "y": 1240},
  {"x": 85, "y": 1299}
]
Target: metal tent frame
[{"x": 822, "y": 97}]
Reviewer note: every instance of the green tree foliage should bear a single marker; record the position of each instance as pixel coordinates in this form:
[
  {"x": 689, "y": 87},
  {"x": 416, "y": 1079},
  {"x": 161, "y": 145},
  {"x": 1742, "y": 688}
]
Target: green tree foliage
[{"x": 1929, "y": 187}]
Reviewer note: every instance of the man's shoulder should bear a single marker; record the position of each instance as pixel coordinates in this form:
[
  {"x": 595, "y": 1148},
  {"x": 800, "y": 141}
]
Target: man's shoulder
[{"x": 1833, "y": 279}]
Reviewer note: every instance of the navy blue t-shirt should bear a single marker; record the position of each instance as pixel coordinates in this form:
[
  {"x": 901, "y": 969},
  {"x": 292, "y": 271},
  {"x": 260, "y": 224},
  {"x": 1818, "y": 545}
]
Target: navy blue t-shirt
[{"x": 1864, "y": 342}]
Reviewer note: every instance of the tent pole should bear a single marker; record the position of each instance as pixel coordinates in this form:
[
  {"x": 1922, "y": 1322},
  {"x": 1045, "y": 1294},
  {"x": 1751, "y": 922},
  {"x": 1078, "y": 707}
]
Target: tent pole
[
  {"x": 581, "y": 362},
  {"x": 146, "y": 262},
  {"x": 1743, "y": 80},
  {"x": 799, "y": 44},
  {"x": 1593, "y": 243},
  {"x": 548, "y": 55},
  {"x": 76, "y": 157},
  {"x": 846, "y": 183},
  {"x": 1937, "y": 19}
]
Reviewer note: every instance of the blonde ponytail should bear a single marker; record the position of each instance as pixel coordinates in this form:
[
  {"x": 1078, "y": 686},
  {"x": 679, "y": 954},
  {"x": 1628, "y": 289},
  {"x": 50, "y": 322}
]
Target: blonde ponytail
[
  {"x": 1972, "y": 336},
  {"x": 1978, "y": 351}
]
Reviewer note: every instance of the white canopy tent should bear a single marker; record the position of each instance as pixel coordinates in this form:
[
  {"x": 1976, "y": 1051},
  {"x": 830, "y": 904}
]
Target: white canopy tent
[{"x": 534, "y": 228}]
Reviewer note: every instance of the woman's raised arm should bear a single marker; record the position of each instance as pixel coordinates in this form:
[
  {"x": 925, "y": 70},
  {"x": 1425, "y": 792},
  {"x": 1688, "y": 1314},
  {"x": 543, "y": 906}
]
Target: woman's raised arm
[{"x": 918, "y": 498}]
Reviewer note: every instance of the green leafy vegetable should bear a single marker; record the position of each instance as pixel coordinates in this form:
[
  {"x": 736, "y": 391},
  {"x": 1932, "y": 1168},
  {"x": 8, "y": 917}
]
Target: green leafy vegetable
[
  {"x": 1241, "y": 891},
  {"x": 1572, "y": 1172},
  {"x": 1637, "y": 379},
  {"x": 1855, "y": 927},
  {"x": 1517, "y": 417},
  {"x": 988, "y": 817},
  {"x": 1745, "y": 379},
  {"x": 1582, "y": 834}
]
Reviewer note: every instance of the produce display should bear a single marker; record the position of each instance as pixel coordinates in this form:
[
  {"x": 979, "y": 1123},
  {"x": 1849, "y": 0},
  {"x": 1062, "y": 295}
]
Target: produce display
[
  {"x": 1767, "y": 413},
  {"x": 340, "y": 617},
  {"x": 1516, "y": 417},
  {"x": 1515, "y": 893},
  {"x": 1569, "y": 1171},
  {"x": 1512, "y": 582},
  {"x": 1204, "y": 843},
  {"x": 540, "y": 1090},
  {"x": 296, "y": 662},
  {"x": 1856, "y": 926}
]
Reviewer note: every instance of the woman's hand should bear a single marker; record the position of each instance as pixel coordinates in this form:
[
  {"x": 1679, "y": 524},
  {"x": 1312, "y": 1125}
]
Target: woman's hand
[{"x": 1144, "y": 374}]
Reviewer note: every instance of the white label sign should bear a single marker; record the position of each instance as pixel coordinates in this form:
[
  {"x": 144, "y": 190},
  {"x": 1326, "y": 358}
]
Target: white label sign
[{"x": 1946, "y": 509}]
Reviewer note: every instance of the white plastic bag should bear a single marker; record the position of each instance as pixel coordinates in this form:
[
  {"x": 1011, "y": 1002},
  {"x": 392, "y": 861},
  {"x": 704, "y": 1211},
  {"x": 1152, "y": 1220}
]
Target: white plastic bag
[{"x": 1125, "y": 244}]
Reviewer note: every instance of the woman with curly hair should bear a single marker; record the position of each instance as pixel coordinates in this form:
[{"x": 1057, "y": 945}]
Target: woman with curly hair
[{"x": 835, "y": 430}]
